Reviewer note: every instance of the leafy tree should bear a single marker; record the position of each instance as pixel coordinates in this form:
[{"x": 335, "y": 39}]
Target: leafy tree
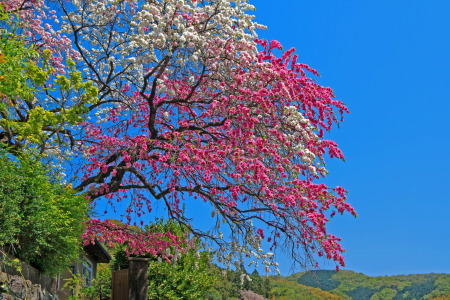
[
  {"x": 186, "y": 276},
  {"x": 227, "y": 286},
  {"x": 259, "y": 285},
  {"x": 187, "y": 279},
  {"x": 38, "y": 108},
  {"x": 443, "y": 297},
  {"x": 40, "y": 222},
  {"x": 192, "y": 104}
]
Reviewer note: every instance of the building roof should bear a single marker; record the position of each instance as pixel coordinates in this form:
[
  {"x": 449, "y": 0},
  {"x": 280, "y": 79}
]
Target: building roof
[{"x": 98, "y": 251}]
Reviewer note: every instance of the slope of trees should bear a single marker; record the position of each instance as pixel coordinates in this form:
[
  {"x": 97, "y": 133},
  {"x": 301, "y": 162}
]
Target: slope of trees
[
  {"x": 351, "y": 285},
  {"x": 230, "y": 284},
  {"x": 284, "y": 289}
]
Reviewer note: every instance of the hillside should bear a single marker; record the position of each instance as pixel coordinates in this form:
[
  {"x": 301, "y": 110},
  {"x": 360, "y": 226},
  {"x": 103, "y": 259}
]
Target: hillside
[
  {"x": 351, "y": 285},
  {"x": 284, "y": 289}
]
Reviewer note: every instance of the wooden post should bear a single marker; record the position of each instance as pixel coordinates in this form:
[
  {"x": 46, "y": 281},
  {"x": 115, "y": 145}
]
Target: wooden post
[{"x": 138, "y": 278}]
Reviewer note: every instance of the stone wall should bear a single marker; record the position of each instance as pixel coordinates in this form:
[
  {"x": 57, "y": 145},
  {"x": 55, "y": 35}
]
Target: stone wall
[{"x": 30, "y": 284}]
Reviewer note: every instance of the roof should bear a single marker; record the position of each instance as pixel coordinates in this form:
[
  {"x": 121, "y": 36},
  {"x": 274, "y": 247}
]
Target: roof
[{"x": 98, "y": 251}]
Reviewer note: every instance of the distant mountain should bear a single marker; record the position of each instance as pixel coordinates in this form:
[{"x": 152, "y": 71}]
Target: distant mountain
[{"x": 324, "y": 284}]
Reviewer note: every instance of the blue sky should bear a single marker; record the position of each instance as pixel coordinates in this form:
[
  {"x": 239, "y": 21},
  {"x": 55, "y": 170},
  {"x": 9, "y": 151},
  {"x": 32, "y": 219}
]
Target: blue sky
[{"x": 389, "y": 62}]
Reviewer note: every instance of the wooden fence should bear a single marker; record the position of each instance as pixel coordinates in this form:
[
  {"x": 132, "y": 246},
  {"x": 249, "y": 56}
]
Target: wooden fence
[{"x": 119, "y": 285}]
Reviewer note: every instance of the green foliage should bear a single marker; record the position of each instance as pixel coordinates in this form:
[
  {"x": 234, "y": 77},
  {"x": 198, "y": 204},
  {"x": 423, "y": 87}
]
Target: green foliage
[
  {"x": 99, "y": 290},
  {"x": 319, "y": 279},
  {"x": 187, "y": 279},
  {"x": 384, "y": 294},
  {"x": 119, "y": 259},
  {"x": 258, "y": 284},
  {"x": 32, "y": 114},
  {"x": 187, "y": 276},
  {"x": 40, "y": 222},
  {"x": 230, "y": 285},
  {"x": 351, "y": 285},
  {"x": 441, "y": 287},
  {"x": 227, "y": 286},
  {"x": 443, "y": 297},
  {"x": 287, "y": 289}
]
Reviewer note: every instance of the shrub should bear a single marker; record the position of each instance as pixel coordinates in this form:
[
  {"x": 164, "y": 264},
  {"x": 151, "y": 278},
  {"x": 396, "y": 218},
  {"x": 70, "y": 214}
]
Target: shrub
[{"x": 40, "y": 222}]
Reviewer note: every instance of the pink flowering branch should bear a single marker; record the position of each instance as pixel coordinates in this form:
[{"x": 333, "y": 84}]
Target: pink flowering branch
[{"x": 137, "y": 243}]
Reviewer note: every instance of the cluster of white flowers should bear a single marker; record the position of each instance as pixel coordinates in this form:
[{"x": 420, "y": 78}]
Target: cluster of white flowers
[
  {"x": 298, "y": 131},
  {"x": 235, "y": 251},
  {"x": 125, "y": 39}
]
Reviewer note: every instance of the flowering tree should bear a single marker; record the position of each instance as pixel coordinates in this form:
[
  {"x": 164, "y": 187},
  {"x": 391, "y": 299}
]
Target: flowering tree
[{"x": 192, "y": 105}]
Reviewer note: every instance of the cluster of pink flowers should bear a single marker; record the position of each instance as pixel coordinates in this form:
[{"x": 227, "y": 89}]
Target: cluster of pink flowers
[{"x": 137, "y": 242}]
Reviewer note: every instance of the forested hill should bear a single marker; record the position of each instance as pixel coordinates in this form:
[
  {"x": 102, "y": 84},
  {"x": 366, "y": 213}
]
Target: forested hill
[{"x": 351, "y": 285}]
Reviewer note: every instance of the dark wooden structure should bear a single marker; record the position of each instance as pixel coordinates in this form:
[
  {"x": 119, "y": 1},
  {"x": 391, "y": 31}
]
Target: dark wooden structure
[{"x": 119, "y": 285}]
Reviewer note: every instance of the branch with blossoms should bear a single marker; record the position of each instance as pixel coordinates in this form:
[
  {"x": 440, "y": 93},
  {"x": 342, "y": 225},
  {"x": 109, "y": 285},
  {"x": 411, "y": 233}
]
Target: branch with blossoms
[
  {"x": 192, "y": 105},
  {"x": 136, "y": 243}
]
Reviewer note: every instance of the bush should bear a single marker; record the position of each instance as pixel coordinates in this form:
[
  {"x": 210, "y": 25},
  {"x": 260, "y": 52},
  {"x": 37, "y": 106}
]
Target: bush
[{"x": 40, "y": 222}]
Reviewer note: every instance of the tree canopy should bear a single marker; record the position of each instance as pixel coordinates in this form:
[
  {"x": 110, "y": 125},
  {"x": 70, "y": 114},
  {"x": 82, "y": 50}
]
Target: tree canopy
[{"x": 191, "y": 106}]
